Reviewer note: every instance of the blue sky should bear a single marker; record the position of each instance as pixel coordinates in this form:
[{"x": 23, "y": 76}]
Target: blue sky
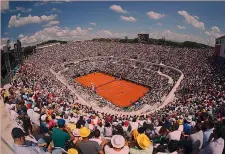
[{"x": 34, "y": 22}]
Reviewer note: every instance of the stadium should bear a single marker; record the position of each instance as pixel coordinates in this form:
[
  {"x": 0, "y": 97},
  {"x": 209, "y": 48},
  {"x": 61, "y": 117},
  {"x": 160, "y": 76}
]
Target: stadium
[
  {"x": 75, "y": 76},
  {"x": 76, "y": 92}
]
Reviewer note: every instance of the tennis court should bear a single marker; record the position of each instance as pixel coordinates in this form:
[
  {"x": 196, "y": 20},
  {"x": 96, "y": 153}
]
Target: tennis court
[
  {"x": 96, "y": 78},
  {"x": 120, "y": 92}
]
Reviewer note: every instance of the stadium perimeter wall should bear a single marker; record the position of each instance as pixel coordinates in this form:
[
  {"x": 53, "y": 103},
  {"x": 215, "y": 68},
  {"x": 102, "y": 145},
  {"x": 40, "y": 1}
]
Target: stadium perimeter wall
[
  {"x": 169, "y": 98},
  {"x": 7, "y": 124}
]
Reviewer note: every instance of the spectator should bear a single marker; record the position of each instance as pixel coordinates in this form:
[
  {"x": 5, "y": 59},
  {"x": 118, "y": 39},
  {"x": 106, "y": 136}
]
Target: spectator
[
  {"x": 20, "y": 146},
  {"x": 134, "y": 124},
  {"x": 172, "y": 148},
  {"x": 93, "y": 146},
  {"x": 81, "y": 121},
  {"x": 97, "y": 137},
  {"x": 176, "y": 134},
  {"x": 143, "y": 146},
  {"x": 100, "y": 128},
  {"x": 61, "y": 135},
  {"x": 207, "y": 133},
  {"x": 119, "y": 146},
  {"x": 197, "y": 138},
  {"x": 181, "y": 126},
  {"x": 125, "y": 126},
  {"x": 52, "y": 122},
  {"x": 187, "y": 125},
  {"x": 217, "y": 145},
  {"x": 108, "y": 130}
]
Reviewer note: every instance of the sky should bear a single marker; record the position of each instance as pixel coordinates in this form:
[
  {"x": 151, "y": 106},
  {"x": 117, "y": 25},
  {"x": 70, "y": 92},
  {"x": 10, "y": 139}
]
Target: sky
[{"x": 33, "y": 22}]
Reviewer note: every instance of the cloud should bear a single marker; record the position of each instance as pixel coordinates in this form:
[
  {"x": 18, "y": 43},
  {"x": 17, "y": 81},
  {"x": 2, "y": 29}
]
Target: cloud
[
  {"x": 67, "y": 34},
  {"x": 215, "y": 29},
  {"x": 159, "y": 24},
  {"x": 110, "y": 34},
  {"x": 214, "y": 33},
  {"x": 21, "y": 35},
  {"x": 105, "y": 33},
  {"x": 192, "y": 20},
  {"x": 4, "y": 5},
  {"x": 4, "y": 43},
  {"x": 44, "y": 2},
  {"x": 207, "y": 33},
  {"x": 92, "y": 23},
  {"x": 180, "y": 27},
  {"x": 54, "y": 10},
  {"x": 156, "y": 16},
  {"x": 51, "y": 23},
  {"x": 117, "y": 8},
  {"x": 40, "y": 3},
  {"x": 16, "y": 21},
  {"x": 89, "y": 29},
  {"x": 130, "y": 19},
  {"x": 196, "y": 17},
  {"x": 179, "y": 37},
  {"x": 21, "y": 9},
  {"x": 60, "y": 1},
  {"x": 50, "y": 33}
]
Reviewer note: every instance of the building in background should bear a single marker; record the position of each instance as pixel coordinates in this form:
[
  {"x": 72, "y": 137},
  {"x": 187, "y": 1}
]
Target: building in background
[
  {"x": 220, "y": 46},
  {"x": 220, "y": 52},
  {"x": 12, "y": 58},
  {"x": 18, "y": 52},
  {"x": 143, "y": 38}
]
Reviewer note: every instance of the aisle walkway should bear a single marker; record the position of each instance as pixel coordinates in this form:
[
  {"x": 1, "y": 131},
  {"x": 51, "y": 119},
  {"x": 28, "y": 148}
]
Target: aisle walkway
[{"x": 6, "y": 127}]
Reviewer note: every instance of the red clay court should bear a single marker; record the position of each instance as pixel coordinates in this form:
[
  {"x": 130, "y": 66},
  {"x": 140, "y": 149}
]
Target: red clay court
[{"x": 120, "y": 92}]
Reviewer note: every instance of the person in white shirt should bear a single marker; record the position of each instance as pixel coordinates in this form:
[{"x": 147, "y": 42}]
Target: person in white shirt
[
  {"x": 141, "y": 121},
  {"x": 97, "y": 137},
  {"x": 107, "y": 130},
  {"x": 134, "y": 124},
  {"x": 125, "y": 125},
  {"x": 217, "y": 145},
  {"x": 30, "y": 112},
  {"x": 9, "y": 106},
  {"x": 14, "y": 115},
  {"x": 197, "y": 138},
  {"x": 119, "y": 146},
  {"x": 174, "y": 135},
  {"x": 35, "y": 117},
  {"x": 101, "y": 129}
]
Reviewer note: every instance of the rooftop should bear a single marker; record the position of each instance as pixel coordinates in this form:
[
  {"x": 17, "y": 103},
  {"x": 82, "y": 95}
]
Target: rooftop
[{"x": 221, "y": 37}]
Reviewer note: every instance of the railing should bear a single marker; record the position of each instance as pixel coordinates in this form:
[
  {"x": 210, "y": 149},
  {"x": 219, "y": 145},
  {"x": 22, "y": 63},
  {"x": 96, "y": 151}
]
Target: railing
[
  {"x": 9, "y": 76},
  {"x": 7, "y": 79}
]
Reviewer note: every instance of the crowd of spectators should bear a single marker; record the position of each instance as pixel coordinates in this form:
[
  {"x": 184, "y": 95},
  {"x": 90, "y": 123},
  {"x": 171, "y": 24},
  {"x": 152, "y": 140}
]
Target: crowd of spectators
[{"x": 47, "y": 111}]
